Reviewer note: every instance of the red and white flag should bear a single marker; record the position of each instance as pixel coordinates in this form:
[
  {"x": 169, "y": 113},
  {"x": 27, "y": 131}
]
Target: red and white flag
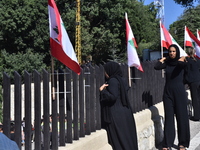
[
  {"x": 192, "y": 41},
  {"x": 133, "y": 59},
  {"x": 61, "y": 47},
  {"x": 198, "y": 34},
  {"x": 167, "y": 40}
]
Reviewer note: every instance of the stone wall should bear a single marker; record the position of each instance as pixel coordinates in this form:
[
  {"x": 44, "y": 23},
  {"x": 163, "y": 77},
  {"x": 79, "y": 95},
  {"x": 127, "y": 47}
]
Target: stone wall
[{"x": 149, "y": 123}]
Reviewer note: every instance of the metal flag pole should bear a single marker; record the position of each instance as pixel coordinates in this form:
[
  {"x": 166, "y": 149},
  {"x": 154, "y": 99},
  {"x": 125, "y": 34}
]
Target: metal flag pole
[{"x": 52, "y": 79}]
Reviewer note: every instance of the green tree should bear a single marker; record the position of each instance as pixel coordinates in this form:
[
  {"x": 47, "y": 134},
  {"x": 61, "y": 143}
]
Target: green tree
[
  {"x": 24, "y": 25},
  {"x": 189, "y": 18},
  {"x": 185, "y": 3},
  {"x": 21, "y": 61},
  {"x": 103, "y": 26},
  {"x": 1, "y": 104}
]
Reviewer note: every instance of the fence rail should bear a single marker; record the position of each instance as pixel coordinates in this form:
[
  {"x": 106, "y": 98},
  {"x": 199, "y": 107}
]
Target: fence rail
[{"x": 75, "y": 110}]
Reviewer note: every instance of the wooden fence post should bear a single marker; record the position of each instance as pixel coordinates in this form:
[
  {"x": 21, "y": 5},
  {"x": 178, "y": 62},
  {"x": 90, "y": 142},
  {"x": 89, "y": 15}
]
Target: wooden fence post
[
  {"x": 75, "y": 106},
  {"x": 87, "y": 99},
  {"x": 97, "y": 101},
  {"x": 6, "y": 105},
  {"x": 18, "y": 109},
  {"x": 37, "y": 99},
  {"x": 55, "y": 116},
  {"x": 69, "y": 105},
  {"x": 81, "y": 104},
  {"x": 46, "y": 117},
  {"x": 61, "y": 108},
  {"x": 92, "y": 98},
  {"x": 28, "y": 126}
]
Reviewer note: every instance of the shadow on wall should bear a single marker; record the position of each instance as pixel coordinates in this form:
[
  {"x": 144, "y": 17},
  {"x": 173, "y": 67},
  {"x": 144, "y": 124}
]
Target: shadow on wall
[
  {"x": 147, "y": 98},
  {"x": 189, "y": 106},
  {"x": 159, "y": 122},
  {"x": 158, "y": 126}
]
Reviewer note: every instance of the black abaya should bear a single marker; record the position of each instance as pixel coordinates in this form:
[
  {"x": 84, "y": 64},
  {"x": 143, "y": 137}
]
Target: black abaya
[
  {"x": 118, "y": 119},
  {"x": 192, "y": 78}
]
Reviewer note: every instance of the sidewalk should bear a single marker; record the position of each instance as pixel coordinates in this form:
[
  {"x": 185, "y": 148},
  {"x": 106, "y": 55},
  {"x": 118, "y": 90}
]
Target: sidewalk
[{"x": 195, "y": 136}]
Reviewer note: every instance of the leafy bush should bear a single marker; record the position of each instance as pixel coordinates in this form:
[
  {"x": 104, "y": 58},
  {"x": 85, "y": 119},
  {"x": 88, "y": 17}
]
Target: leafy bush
[
  {"x": 1, "y": 104},
  {"x": 20, "y": 61}
]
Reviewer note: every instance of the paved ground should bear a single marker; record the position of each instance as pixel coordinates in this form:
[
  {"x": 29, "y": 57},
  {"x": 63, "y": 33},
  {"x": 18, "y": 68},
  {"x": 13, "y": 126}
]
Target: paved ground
[{"x": 195, "y": 137}]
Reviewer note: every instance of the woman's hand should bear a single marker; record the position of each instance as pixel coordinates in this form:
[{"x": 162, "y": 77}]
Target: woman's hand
[
  {"x": 182, "y": 58},
  {"x": 162, "y": 59},
  {"x": 103, "y": 87}
]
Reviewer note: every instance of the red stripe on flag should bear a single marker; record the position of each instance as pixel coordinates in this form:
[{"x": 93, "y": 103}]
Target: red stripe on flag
[
  {"x": 193, "y": 36},
  {"x": 188, "y": 43},
  {"x": 53, "y": 4},
  {"x": 127, "y": 30},
  {"x": 135, "y": 44},
  {"x": 198, "y": 33},
  {"x": 166, "y": 35},
  {"x": 165, "y": 44},
  {"x": 57, "y": 52}
]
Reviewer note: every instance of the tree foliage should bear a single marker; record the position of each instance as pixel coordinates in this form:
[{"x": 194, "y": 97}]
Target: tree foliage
[
  {"x": 1, "y": 104},
  {"x": 103, "y": 27},
  {"x": 189, "y": 18},
  {"x": 186, "y": 3},
  {"x": 24, "y": 25},
  {"x": 20, "y": 61}
]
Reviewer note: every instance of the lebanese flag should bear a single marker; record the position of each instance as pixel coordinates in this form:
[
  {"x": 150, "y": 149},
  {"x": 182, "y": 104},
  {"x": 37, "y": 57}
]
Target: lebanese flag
[
  {"x": 198, "y": 34},
  {"x": 167, "y": 39},
  {"x": 133, "y": 59},
  {"x": 61, "y": 47},
  {"x": 192, "y": 41}
]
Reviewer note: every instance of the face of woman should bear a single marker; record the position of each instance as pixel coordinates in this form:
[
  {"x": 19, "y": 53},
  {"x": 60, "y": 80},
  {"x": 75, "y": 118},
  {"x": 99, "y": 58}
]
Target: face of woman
[{"x": 172, "y": 52}]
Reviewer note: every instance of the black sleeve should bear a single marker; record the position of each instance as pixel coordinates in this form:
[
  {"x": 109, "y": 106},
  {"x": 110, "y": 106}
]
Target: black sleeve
[
  {"x": 182, "y": 64},
  {"x": 198, "y": 61},
  {"x": 159, "y": 65},
  {"x": 111, "y": 92}
]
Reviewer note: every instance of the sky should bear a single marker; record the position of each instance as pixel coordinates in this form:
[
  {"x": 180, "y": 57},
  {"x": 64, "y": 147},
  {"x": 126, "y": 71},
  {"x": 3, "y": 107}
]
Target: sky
[{"x": 171, "y": 11}]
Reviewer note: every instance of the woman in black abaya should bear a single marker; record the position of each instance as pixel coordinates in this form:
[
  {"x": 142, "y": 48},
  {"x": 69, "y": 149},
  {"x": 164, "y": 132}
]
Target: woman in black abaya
[
  {"x": 117, "y": 115},
  {"x": 174, "y": 99},
  {"x": 192, "y": 77}
]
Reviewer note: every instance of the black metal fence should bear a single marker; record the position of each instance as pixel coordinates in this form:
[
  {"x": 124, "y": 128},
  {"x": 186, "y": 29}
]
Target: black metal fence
[{"x": 74, "y": 106}]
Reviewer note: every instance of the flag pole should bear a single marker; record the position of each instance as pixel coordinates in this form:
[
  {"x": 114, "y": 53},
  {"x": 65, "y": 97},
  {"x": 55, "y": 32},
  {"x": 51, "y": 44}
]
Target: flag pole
[
  {"x": 52, "y": 79},
  {"x": 161, "y": 51},
  {"x": 129, "y": 76},
  {"x": 184, "y": 40}
]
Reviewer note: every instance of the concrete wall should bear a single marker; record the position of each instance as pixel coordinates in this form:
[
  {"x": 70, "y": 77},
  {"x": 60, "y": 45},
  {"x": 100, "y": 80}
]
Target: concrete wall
[{"x": 149, "y": 123}]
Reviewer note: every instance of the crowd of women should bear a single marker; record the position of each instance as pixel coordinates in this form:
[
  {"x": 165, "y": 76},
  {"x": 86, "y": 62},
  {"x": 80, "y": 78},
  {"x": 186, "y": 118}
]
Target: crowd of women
[{"x": 117, "y": 116}]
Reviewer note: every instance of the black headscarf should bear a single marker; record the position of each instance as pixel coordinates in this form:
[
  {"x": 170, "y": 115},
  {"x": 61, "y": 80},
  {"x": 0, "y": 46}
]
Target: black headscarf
[
  {"x": 114, "y": 71},
  {"x": 174, "y": 61}
]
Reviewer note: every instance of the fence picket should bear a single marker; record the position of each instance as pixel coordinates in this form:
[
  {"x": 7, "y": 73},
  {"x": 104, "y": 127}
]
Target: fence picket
[
  {"x": 61, "y": 116},
  {"x": 28, "y": 126},
  {"x": 98, "y": 110},
  {"x": 92, "y": 98},
  {"x": 18, "y": 103},
  {"x": 75, "y": 106},
  {"x": 6, "y": 105},
  {"x": 37, "y": 99},
  {"x": 81, "y": 104},
  {"x": 46, "y": 132},
  {"x": 87, "y": 99},
  {"x": 69, "y": 105},
  {"x": 54, "y": 143}
]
